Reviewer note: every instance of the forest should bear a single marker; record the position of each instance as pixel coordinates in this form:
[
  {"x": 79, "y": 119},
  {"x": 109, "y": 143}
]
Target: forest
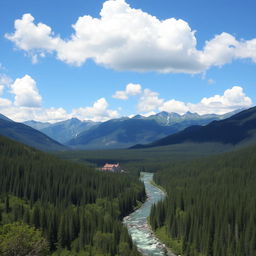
[
  {"x": 210, "y": 208},
  {"x": 77, "y": 209}
]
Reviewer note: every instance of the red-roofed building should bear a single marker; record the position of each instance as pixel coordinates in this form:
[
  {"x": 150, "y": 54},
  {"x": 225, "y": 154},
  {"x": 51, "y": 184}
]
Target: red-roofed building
[{"x": 111, "y": 168}]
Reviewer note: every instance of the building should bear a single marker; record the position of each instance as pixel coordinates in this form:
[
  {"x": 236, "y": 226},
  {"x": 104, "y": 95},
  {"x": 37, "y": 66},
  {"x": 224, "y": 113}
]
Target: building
[{"x": 111, "y": 167}]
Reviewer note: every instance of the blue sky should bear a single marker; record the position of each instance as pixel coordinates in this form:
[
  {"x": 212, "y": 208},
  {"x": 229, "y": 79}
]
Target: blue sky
[{"x": 122, "y": 58}]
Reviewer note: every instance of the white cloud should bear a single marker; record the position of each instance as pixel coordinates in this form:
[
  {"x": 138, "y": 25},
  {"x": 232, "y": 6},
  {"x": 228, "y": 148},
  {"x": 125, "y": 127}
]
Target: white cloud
[
  {"x": 247, "y": 49},
  {"x": 174, "y": 106},
  {"x": 98, "y": 112},
  {"x": 5, "y": 103},
  {"x": 131, "y": 89},
  {"x": 1, "y": 89},
  {"x": 232, "y": 99},
  {"x": 21, "y": 114},
  {"x": 121, "y": 95},
  {"x": 26, "y": 105},
  {"x": 26, "y": 92},
  {"x": 149, "y": 114},
  {"x": 29, "y": 36},
  {"x": 220, "y": 50},
  {"x": 124, "y": 38},
  {"x": 149, "y": 101}
]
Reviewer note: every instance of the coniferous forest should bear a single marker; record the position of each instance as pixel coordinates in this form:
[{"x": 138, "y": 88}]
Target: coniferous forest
[
  {"x": 78, "y": 210},
  {"x": 210, "y": 209}
]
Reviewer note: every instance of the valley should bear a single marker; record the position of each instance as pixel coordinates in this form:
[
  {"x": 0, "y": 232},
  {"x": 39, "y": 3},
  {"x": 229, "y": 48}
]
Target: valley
[
  {"x": 127, "y": 128},
  {"x": 80, "y": 213}
]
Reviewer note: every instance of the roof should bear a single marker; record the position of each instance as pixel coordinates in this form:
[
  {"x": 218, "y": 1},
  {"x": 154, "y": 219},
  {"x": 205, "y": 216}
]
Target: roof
[{"x": 111, "y": 165}]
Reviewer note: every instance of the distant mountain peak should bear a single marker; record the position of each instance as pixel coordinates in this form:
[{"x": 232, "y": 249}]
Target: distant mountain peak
[
  {"x": 162, "y": 113},
  {"x": 191, "y": 114},
  {"x": 138, "y": 117},
  {"x": 239, "y": 128}
]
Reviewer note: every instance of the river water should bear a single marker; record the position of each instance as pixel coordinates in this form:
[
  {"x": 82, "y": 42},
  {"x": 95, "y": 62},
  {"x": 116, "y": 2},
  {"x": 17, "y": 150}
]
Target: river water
[{"x": 137, "y": 225}]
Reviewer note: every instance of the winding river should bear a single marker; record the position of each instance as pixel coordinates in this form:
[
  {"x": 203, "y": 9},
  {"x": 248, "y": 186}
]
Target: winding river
[{"x": 138, "y": 227}]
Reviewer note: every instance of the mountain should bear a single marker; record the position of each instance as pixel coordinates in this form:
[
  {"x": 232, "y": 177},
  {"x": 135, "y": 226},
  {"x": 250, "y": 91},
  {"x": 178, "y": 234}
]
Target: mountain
[
  {"x": 37, "y": 125},
  {"x": 27, "y": 135},
  {"x": 120, "y": 133},
  {"x": 187, "y": 119},
  {"x": 237, "y": 129},
  {"x": 62, "y": 131},
  {"x": 125, "y": 132}
]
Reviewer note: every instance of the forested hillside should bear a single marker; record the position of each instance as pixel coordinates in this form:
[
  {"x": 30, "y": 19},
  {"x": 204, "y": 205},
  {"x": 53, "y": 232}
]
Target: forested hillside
[
  {"x": 211, "y": 205},
  {"x": 77, "y": 208}
]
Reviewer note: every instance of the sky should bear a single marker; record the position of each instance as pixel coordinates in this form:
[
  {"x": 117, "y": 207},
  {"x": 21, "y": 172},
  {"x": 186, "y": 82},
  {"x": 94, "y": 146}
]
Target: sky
[{"x": 98, "y": 60}]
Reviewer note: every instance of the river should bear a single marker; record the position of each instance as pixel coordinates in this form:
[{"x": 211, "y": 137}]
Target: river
[{"x": 137, "y": 225}]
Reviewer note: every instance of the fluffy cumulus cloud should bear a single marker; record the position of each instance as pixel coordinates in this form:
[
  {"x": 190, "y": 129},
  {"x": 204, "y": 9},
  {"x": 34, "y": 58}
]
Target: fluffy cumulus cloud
[
  {"x": 149, "y": 101},
  {"x": 27, "y": 105},
  {"x": 35, "y": 39},
  {"x": 130, "y": 90},
  {"x": 98, "y": 112},
  {"x": 174, "y": 106},
  {"x": 232, "y": 99},
  {"x": 26, "y": 92},
  {"x": 124, "y": 38},
  {"x": 20, "y": 114}
]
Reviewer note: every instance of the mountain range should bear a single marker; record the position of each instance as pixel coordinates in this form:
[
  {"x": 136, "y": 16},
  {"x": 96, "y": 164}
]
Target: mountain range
[
  {"x": 237, "y": 129},
  {"x": 62, "y": 131},
  {"x": 27, "y": 135},
  {"x": 116, "y": 133},
  {"x": 122, "y": 132}
]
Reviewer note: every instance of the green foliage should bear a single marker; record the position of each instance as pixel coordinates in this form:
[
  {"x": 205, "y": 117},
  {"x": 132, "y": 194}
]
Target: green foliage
[
  {"x": 71, "y": 203},
  {"x": 211, "y": 204},
  {"x": 21, "y": 239},
  {"x": 162, "y": 234}
]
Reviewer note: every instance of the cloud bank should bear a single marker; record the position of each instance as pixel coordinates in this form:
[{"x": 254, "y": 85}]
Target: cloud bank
[
  {"x": 124, "y": 38},
  {"x": 27, "y": 105},
  {"x": 232, "y": 99}
]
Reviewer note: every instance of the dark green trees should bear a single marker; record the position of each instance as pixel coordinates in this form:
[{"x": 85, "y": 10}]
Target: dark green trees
[
  {"x": 211, "y": 205},
  {"x": 72, "y": 204}
]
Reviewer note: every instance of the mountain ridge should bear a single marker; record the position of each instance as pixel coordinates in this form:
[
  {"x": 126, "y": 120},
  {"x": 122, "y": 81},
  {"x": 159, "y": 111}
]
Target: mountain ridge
[
  {"x": 27, "y": 135},
  {"x": 236, "y": 129},
  {"x": 125, "y": 132}
]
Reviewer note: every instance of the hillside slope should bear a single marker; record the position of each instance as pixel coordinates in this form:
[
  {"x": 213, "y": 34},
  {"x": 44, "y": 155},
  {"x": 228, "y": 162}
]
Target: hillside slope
[
  {"x": 239, "y": 128},
  {"x": 211, "y": 208},
  {"x": 62, "y": 131},
  {"x": 29, "y": 136},
  {"x": 69, "y": 202}
]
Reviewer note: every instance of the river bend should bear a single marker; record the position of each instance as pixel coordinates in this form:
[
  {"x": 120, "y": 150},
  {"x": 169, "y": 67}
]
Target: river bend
[{"x": 137, "y": 225}]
